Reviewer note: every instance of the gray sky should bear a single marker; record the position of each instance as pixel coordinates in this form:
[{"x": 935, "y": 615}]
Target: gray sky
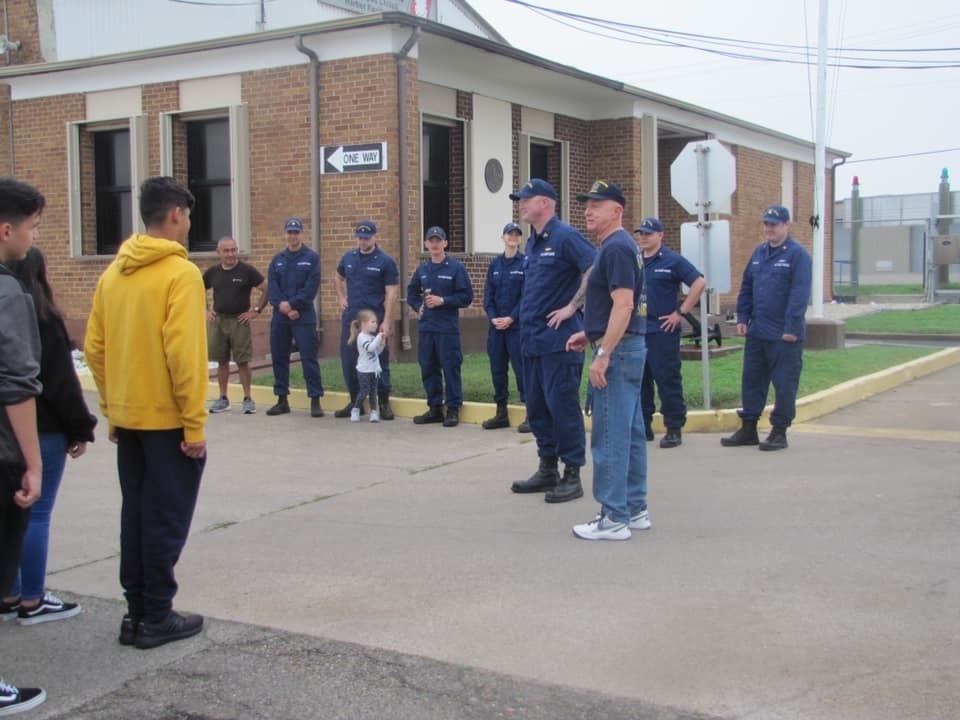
[{"x": 870, "y": 113}]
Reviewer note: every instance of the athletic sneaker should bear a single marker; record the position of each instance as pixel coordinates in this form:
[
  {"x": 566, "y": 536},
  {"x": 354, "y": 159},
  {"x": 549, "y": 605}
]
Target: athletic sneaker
[
  {"x": 374, "y": 416},
  {"x": 8, "y": 612},
  {"x": 220, "y": 405},
  {"x": 640, "y": 521},
  {"x": 249, "y": 406},
  {"x": 50, "y": 608},
  {"x": 602, "y": 528},
  {"x": 15, "y": 700},
  {"x": 355, "y": 415}
]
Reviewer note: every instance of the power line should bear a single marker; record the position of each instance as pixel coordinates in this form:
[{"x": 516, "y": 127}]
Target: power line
[
  {"x": 736, "y": 48},
  {"x": 905, "y": 155}
]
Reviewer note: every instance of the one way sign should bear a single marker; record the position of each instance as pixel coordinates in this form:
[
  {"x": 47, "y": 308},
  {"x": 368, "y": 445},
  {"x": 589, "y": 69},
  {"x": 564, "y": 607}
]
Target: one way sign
[{"x": 353, "y": 158}]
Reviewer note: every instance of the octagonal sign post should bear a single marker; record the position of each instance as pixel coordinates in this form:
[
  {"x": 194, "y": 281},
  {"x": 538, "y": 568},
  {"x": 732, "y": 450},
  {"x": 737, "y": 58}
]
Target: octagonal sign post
[{"x": 702, "y": 180}]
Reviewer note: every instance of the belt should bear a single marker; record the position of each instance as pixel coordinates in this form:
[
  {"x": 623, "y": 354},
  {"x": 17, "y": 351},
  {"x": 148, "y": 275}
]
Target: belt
[
  {"x": 229, "y": 316},
  {"x": 593, "y": 343}
]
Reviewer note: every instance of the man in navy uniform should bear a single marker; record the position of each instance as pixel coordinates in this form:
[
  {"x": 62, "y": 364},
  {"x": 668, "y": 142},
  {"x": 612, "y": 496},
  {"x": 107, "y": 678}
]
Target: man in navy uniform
[
  {"x": 366, "y": 278},
  {"x": 771, "y": 312},
  {"x": 293, "y": 279},
  {"x": 558, "y": 263},
  {"x": 664, "y": 272},
  {"x": 501, "y": 301},
  {"x": 437, "y": 291}
]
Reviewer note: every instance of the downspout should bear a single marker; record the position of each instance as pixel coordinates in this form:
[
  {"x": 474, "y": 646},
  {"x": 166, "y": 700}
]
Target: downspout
[
  {"x": 314, "y": 169},
  {"x": 6, "y": 34},
  {"x": 833, "y": 204},
  {"x": 403, "y": 148}
]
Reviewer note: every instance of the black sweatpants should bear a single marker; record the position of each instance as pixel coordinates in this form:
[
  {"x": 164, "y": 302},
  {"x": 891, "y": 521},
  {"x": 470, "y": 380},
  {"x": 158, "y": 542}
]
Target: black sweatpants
[{"x": 159, "y": 485}]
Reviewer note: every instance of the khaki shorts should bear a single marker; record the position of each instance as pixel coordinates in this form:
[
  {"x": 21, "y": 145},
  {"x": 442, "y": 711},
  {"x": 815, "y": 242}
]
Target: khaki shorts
[{"x": 226, "y": 334}]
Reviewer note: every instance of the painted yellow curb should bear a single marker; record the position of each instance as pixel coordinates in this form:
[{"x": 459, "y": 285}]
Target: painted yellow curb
[{"x": 808, "y": 407}]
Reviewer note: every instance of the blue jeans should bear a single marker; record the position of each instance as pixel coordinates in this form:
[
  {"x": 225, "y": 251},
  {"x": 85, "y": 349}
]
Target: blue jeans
[
  {"x": 31, "y": 580},
  {"x": 618, "y": 441}
]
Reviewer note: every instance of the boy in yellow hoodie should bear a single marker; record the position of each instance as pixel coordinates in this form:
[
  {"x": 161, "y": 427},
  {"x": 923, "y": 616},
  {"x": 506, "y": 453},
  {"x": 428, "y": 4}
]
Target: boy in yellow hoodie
[{"x": 146, "y": 346}]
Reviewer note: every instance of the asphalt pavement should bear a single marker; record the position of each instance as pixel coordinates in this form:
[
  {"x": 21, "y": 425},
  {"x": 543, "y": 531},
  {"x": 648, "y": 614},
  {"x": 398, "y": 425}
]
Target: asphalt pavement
[{"x": 387, "y": 571}]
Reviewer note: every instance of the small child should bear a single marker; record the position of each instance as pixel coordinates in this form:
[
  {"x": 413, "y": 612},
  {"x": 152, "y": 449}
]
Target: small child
[{"x": 370, "y": 343}]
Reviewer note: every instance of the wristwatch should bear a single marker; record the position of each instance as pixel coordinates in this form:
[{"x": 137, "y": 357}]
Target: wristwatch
[
  {"x": 257, "y": 310},
  {"x": 600, "y": 352}
]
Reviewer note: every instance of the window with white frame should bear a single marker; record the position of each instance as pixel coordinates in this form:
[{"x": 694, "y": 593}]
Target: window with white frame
[
  {"x": 208, "y": 152},
  {"x": 106, "y": 162}
]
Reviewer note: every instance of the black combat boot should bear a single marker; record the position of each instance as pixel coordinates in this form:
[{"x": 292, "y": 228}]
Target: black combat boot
[
  {"x": 776, "y": 440},
  {"x": 746, "y": 435},
  {"x": 500, "y": 420},
  {"x": 315, "y": 409},
  {"x": 386, "y": 412},
  {"x": 545, "y": 478},
  {"x": 344, "y": 412},
  {"x": 281, "y": 408},
  {"x": 524, "y": 427},
  {"x": 672, "y": 439},
  {"x": 433, "y": 415},
  {"x": 453, "y": 417},
  {"x": 569, "y": 487}
]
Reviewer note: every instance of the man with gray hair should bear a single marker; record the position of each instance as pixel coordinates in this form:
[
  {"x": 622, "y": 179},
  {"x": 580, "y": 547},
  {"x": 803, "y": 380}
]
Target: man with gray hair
[{"x": 228, "y": 319}]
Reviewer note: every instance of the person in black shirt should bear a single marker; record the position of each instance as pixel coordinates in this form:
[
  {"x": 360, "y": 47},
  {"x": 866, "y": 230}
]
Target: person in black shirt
[{"x": 228, "y": 328}]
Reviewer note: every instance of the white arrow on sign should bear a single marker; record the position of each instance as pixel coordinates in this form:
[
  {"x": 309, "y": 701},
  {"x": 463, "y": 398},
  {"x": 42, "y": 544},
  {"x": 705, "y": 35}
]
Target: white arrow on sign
[{"x": 337, "y": 159}]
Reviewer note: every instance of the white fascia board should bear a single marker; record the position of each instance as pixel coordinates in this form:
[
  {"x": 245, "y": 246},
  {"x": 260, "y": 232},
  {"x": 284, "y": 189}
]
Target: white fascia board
[
  {"x": 458, "y": 66},
  {"x": 208, "y": 63}
]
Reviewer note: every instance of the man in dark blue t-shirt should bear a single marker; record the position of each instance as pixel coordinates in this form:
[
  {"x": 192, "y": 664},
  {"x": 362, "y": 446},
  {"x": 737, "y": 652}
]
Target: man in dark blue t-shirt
[{"x": 614, "y": 324}]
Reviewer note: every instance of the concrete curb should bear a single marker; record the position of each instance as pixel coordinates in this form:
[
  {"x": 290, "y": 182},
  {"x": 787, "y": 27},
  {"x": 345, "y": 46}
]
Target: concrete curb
[{"x": 702, "y": 421}]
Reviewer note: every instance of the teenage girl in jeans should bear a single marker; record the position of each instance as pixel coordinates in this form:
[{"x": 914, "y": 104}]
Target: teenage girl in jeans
[{"x": 66, "y": 426}]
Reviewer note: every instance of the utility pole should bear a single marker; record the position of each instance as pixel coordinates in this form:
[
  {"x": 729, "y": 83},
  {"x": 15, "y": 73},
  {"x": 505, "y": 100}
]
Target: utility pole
[
  {"x": 819, "y": 188},
  {"x": 856, "y": 211},
  {"x": 945, "y": 207}
]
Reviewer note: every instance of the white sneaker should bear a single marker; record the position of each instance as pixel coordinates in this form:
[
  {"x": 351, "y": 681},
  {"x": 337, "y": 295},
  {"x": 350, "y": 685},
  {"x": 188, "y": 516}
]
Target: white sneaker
[
  {"x": 602, "y": 528},
  {"x": 355, "y": 415},
  {"x": 374, "y": 416},
  {"x": 640, "y": 521}
]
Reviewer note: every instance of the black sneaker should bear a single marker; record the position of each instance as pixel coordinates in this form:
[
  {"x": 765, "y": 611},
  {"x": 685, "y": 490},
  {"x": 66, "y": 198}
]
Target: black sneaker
[
  {"x": 128, "y": 630},
  {"x": 172, "y": 628},
  {"x": 15, "y": 700},
  {"x": 50, "y": 608},
  {"x": 8, "y": 611}
]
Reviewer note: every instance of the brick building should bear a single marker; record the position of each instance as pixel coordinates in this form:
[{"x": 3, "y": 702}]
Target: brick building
[{"x": 242, "y": 115}]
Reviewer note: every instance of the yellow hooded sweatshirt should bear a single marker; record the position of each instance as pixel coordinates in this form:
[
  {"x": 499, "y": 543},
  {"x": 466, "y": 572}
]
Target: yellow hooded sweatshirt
[{"x": 146, "y": 341}]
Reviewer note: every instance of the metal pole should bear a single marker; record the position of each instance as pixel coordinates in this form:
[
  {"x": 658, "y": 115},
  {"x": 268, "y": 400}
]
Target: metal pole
[
  {"x": 945, "y": 205},
  {"x": 856, "y": 210},
  {"x": 819, "y": 189},
  {"x": 704, "y": 234}
]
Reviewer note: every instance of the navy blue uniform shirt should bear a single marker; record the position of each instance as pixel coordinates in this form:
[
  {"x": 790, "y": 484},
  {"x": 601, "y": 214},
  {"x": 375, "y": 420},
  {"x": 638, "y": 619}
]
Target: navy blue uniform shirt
[
  {"x": 447, "y": 279},
  {"x": 367, "y": 277},
  {"x": 556, "y": 261},
  {"x": 664, "y": 273},
  {"x": 618, "y": 265},
  {"x": 504, "y": 287},
  {"x": 775, "y": 291},
  {"x": 294, "y": 277}
]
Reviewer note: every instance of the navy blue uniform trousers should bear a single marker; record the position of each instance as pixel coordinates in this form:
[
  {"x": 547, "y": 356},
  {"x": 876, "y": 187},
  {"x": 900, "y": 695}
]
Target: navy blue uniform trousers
[
  {"x": 440, "y": 361},
  {"x": 766, "y": 361},
  {"x": 159, "y": 486},
  {"x": 552, "y": 386},
  {"x": 503, "y": 349},
  {"x": 663, "y": 366},
  {"x": 281, "y": 334}
]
